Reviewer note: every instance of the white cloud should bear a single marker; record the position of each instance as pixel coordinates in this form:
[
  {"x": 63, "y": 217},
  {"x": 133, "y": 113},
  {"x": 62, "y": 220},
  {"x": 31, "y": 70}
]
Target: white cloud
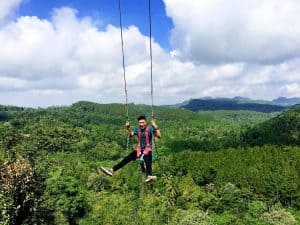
[
  {"x": 8, "y": 7},
  {"x": 218, "y": 31},
  {"x": 67, "y": 59},
  {"x": 292, "y": 89},
  {"x": 68, "y": 53},
  {"x": 9, "y": 83},
  {"x": 227, "y": 71},
  {"x": 90, "y": 81}
]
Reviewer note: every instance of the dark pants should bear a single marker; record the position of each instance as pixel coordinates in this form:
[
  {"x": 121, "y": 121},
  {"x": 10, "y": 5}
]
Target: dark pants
[{"x": 132, "y": 156}]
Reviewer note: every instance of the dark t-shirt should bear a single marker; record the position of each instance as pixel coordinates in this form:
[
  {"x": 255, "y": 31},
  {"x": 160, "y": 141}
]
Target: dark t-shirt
[{"x": 151, "y": 130}]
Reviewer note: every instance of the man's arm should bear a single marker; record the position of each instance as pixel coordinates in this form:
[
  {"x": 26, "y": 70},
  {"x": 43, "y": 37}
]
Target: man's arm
[{"x": 157, "y": 131}]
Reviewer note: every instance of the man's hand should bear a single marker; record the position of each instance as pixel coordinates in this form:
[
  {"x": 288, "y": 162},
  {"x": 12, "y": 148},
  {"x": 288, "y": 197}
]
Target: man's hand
[
  {"x": 127, "y": 125},
  {"x": 154, "y": 124},
  {"x": 157, "y": 133}
]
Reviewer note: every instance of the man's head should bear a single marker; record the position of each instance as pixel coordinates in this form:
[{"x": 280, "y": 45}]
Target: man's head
[{"x": 142, "y": 121}]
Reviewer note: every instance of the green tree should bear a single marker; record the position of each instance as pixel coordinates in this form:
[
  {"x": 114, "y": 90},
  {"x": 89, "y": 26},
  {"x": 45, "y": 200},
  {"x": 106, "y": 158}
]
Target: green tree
[
  {"x": 20, "y": 200},
  {"x": 67, "y": 197}
]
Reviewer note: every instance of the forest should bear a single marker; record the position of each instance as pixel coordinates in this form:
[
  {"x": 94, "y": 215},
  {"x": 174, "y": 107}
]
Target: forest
[{"x": 219, "y": 167}]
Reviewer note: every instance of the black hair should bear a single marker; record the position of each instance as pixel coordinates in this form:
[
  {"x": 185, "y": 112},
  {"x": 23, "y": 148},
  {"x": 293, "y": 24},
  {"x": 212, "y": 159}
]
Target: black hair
[{"x": 141, "y": 117}]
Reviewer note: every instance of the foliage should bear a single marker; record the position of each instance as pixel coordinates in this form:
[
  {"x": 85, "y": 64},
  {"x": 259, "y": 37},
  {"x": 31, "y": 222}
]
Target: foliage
[
  {"x": 196, "y": 217},
  {"x": 20, "y": 195},
  {"x": 283, "y": 129},
  {"x": 67, "y": 197},
  {"x": 279, "y": 216},
  {"x": 217, "y": 167}
]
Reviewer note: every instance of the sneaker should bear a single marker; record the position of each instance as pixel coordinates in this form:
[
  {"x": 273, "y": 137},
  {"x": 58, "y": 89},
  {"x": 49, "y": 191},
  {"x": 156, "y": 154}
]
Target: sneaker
[
  {"x": 106, "y": 170},
  {"x": 150, "y": 178}
]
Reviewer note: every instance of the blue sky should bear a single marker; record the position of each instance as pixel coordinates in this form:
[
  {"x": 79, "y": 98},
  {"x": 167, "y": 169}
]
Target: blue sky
[
  {"x": 106, "y": 11},
  {"x": 57, "y": 52}
]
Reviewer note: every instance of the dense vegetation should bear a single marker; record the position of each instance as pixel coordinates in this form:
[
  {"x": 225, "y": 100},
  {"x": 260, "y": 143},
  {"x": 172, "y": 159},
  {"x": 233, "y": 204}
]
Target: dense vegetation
[
  {"x": 222, "y": 167},
  {"x": 282, "y": 130}
]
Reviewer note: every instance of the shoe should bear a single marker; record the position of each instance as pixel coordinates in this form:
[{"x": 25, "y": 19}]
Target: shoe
[
  {"x": 106, "y": 170},
  {"x": 150, "y": 178}
]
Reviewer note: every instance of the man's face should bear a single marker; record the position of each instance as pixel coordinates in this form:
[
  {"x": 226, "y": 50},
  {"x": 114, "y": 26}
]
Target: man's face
[{"x": 142, "y": 123}]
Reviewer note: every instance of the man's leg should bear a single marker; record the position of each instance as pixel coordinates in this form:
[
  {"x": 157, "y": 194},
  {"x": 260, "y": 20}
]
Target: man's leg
[
  {"x": 142, "y": 161},
  {"x": 148, "y": 162},
  {"x": 127, "y": 159},
  {"x": 142, "y": 165}
]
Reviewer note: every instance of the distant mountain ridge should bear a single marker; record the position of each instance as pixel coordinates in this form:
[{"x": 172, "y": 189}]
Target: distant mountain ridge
[
  {"x": 278, "y": 101},
  {"x": 238, "y": 103},
  {"x": 210, "y": 103},
  {"x": 286, "y": 101}
]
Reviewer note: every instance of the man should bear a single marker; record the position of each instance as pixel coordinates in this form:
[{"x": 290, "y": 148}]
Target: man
[{"x": 143, "y": 150}]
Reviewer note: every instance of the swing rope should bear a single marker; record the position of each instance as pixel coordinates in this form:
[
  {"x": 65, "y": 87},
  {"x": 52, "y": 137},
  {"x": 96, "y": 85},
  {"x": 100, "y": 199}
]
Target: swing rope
[
  {"x": 155, "y": 153},
  {"x": 124, "y": 72},
  {"x": 151, "y": 63}
]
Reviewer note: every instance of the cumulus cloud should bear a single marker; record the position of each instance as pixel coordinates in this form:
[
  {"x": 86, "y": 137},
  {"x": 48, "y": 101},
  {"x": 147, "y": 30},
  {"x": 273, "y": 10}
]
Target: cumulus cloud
[
  {"x": 292, "y": 89},
  {"x": 66, "y": 59},
  {"x": 8, "y": 7},
  {"x": 218, "y": 31},
  {"x": 68, "y": 53}
]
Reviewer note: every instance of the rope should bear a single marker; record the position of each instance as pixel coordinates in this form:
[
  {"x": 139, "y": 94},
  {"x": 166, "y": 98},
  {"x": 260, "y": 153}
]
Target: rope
[
  {"x": 151, "y": 64},
  {"x": 151, "y": 72},
  {"x": 124, "y": 72},
  {"x": 124, "y": 69},
  {"x": 123, "y": 62}
]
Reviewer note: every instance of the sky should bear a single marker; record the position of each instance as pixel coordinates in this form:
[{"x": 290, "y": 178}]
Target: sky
[{"x": 62, "y": 51}]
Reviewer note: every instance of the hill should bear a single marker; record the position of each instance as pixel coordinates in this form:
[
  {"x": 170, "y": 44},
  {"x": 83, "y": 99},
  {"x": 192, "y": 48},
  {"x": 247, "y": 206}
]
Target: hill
[{"x": 283, "y": 129}]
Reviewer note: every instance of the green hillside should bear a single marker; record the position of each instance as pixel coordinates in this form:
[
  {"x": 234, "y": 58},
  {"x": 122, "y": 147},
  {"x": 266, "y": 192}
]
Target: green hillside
[
  {"x": 281, "y": 130},
  {"x": 217, "y": 167}
]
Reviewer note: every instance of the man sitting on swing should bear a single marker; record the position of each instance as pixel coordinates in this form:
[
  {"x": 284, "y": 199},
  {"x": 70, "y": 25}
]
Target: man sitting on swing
[{"x": 143, "y": 150}]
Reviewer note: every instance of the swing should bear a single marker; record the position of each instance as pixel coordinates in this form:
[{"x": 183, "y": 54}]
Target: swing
[{"x": 154, "y": 151}]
